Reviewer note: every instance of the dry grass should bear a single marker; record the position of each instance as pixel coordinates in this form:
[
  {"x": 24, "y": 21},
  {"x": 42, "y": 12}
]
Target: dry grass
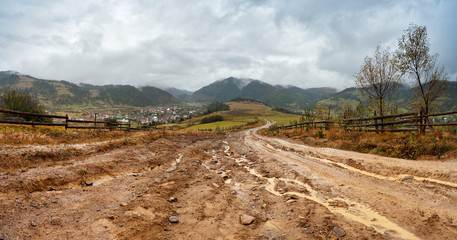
[
  {"x": 409, "y": 145},
  {"x": 19, "y": 135},
  {"x": 51, "y": 154}
]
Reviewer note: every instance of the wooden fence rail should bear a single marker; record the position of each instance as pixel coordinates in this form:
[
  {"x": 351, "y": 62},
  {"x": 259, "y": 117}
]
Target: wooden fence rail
[
  {"x": 388, "y": 123},
  {"x": 96, "y": 124}
]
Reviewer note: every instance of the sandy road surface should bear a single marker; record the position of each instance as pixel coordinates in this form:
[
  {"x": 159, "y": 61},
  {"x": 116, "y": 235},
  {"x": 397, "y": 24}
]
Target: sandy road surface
[{"x": 293, "y": 192}]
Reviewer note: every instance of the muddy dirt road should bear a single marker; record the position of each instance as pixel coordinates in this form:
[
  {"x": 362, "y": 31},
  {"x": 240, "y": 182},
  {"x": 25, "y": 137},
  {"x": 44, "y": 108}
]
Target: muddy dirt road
[{"x": 203, "y": 186}]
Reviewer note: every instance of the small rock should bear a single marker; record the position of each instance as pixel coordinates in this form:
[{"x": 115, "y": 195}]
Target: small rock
[
  {"x": 219, "y": 172},
  {"x": 121, "y": 225},
  {"x": 406, "y": 178},
  {"x": 111, "y": 217},
  {"x": 263, "y": 218},
  {"x": 310, "y": 232},
  {"x": 139, "y": 195},
  {"x": 246, "y": 219},
  {"x": 52, "y": 189},
  {"x": 33, "y": 223},
  {"x": 123, "y": 204},
  {"x": 56, "y": 221},
  {"x": 233, "y": 192},
  {"x": 135, "y": 174},
  {"x": 339, "y": 232},
  {"x": 89, "y": 183},
  {"x": 173, "y": 199},
  {"x": 5, "y": 237},
  {"x": 173, "y": 219},
  {"x": 216, "y": 185}
]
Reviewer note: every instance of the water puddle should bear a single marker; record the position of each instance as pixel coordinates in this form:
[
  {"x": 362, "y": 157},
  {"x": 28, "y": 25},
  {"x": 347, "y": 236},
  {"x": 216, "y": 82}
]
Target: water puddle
[{"x": 352, "y": 210}]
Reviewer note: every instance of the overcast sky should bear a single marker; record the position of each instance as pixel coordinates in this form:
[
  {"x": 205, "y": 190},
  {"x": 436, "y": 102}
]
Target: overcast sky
[{"x": 188, "y": 44}]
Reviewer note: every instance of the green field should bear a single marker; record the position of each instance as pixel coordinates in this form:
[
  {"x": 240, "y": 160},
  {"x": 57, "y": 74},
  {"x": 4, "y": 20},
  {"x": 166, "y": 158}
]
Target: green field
[{"x": 241, "y": 113}]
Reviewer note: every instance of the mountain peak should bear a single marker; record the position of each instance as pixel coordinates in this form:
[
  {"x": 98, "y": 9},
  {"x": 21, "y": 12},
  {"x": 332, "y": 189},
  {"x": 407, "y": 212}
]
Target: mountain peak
[{"x": 239, "y": 82}]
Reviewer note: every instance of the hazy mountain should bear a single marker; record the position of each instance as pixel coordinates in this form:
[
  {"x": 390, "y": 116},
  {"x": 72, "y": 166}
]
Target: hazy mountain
[
  {"x": 63, "y": 94},
  {"x": 179, "y": 93},
  {"x": 284, "y": 96}
]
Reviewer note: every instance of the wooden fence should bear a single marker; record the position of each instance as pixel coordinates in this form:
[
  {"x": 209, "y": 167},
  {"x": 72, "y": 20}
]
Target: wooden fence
[
  {"x": 67, "y": 122},
  {"x": 390, "y": 123}
]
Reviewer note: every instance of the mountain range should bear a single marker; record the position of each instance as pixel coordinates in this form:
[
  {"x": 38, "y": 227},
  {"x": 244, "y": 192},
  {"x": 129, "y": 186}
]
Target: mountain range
[
  {"x": 63, "y": 95},
  {"x": 283, "y": 96}
]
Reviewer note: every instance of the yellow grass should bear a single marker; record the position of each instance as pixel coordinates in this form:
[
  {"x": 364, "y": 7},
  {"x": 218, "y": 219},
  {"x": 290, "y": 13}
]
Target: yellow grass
[{"x": 241, "y": 113}]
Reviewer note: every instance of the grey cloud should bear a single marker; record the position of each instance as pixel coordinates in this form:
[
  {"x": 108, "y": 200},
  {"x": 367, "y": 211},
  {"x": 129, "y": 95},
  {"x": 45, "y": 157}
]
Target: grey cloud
[{"x": 188, "y": 44}]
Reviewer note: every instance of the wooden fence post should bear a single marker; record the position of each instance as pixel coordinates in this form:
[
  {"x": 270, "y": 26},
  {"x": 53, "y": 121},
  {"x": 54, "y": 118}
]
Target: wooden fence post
[
  {"x": 421, "y": 122},
  {"x": 66, "y": 122},
  {"x": 376, "y": 122}
]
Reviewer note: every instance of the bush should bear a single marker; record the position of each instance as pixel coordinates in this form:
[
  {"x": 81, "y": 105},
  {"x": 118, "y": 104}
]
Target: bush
[{"x": 210, "y": 119}]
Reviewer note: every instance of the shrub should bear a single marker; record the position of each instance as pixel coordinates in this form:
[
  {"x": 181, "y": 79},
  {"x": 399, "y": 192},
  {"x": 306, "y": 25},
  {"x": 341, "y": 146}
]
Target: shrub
[{"x": 210, "y": 119}]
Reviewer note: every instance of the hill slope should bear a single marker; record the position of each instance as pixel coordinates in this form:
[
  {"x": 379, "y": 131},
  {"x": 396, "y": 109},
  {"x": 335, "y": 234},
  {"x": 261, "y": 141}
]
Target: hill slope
[{"x": 63, "y": 94}]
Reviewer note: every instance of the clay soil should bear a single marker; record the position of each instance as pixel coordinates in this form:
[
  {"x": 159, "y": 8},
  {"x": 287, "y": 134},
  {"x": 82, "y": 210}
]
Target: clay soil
[{"x": 208, "y": 181}]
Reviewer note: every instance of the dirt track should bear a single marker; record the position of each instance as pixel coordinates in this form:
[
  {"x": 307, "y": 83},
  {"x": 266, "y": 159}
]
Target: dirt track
[{"x": 293, "y": 191}]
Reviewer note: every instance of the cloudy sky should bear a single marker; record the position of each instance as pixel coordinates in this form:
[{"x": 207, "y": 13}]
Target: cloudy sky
[{"x": 190, "y": 43}]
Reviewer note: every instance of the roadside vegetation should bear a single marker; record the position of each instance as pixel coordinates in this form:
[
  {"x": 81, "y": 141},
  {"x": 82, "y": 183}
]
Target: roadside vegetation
[{"x": 437, "y": 145}]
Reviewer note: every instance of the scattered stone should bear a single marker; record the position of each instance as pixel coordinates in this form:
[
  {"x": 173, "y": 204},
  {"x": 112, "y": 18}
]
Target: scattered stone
[
  {"x": 307, "y": 225},
  {"x": 121, "y": 225},
  {"x": 98, "y": 210},
  {"x": 123, "y": 204},
  {"x": 89, "y": 183},
  {"x": 406, "y": 178},
  {"x": 246, "y": 219},
  {"x": 310, "y": 232},
  {"x": 263, "y": 218},
  {"x": 233, "y": 192},
  {"x": 56, "y": 221},
  {"x": 139, "y": 195},
  {"x": 339, "y": 232},
  {"x": 216, "y": 185},
  {"x": 33, "y": 223},
  {"x": 173, "y": 199},
  {"x": 4, "y": 237},
  {"x": 111, "y": 217},
  {"x": 219, "y": 172},
  {"x": 135, "y": 174},
  {"x": 52, "y": 189},
  {"x": 173, "y": 219}
]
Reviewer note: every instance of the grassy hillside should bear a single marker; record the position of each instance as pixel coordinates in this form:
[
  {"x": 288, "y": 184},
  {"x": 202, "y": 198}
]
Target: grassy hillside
[{"x": 241, "y": 113}]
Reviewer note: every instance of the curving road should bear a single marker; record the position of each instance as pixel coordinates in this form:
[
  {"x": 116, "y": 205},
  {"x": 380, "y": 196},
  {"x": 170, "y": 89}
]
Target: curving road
[{"x": 401, "y": 199}]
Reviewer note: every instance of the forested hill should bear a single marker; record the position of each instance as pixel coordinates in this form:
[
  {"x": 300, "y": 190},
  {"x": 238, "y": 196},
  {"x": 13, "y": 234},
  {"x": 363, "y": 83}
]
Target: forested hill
[{"x": 62, "y": 94}]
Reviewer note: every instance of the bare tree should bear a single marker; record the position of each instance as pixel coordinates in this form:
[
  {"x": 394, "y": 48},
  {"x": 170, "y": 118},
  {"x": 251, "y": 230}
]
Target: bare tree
[
  {"x": 414, "y": 58},
  {"x": 379, "y": 77}
]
